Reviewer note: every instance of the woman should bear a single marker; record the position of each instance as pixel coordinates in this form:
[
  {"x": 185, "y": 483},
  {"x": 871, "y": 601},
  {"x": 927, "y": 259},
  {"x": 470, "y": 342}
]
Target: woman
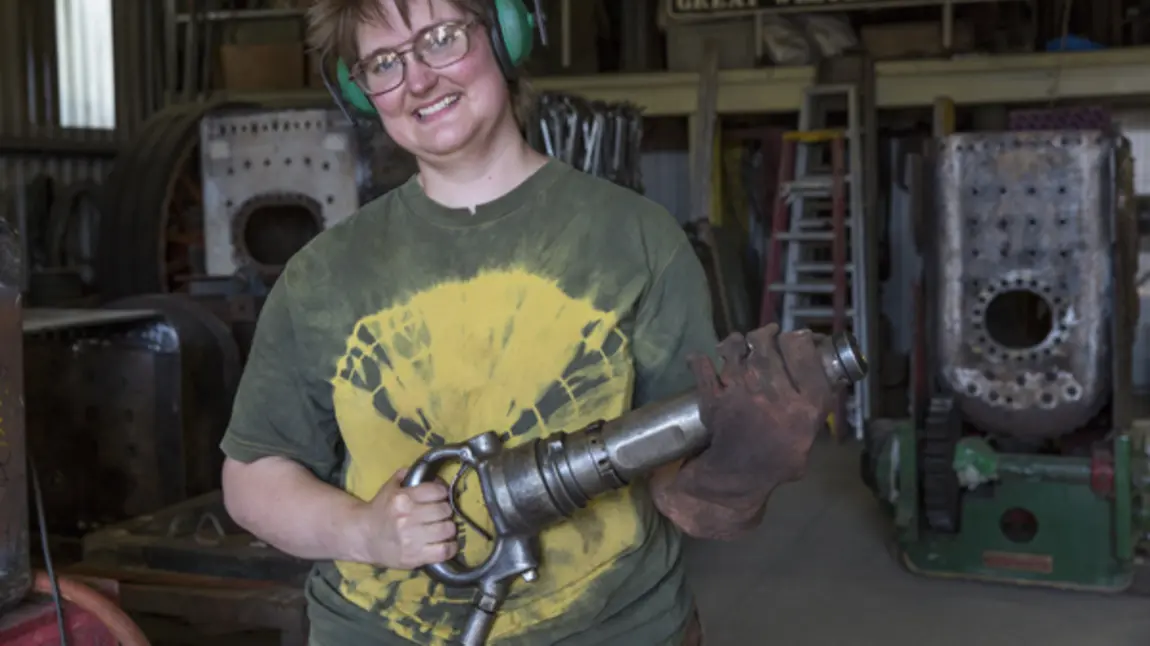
[{"x": 499, "y": 290}]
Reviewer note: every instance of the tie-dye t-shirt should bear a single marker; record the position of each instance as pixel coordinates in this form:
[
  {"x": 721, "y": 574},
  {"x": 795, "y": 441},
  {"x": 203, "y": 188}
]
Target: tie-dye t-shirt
[{"x": 411, "y": 325}]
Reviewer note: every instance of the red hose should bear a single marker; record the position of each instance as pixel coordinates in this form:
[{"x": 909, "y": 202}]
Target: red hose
[{"x": 114, "y": 619}]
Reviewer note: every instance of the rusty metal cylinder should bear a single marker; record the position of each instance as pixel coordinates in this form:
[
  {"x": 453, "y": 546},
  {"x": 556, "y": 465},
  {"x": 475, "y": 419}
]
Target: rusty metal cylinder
[
  {"x": 537, "y": 484},
  {"x": 1027, "y": 279},
  {"x": 15, "y": 564}
]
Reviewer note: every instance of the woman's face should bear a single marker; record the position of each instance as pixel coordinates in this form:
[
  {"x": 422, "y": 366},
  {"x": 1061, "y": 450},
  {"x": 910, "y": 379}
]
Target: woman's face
[{"x": 447, "y": 106}]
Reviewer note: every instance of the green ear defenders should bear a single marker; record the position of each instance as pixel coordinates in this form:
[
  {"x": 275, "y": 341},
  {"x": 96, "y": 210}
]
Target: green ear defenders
[{"x": 512, "y": 36}]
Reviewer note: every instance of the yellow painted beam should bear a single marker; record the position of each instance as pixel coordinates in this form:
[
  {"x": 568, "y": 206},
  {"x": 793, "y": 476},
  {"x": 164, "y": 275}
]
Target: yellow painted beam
[
  {"x": 1015, "y": 78},
  {"x": 944, "y": 117},
  {"x": 668, "y": 94}
]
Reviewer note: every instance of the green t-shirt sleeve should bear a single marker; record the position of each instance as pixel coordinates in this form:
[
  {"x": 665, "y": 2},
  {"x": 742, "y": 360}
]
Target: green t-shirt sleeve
[
  {"x": 278, "y": 410},
  {"x": 674, "y": 321}
]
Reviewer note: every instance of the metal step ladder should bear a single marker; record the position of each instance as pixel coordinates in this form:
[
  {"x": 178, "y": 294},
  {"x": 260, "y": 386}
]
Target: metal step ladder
[{"x": 817, "y": 258}]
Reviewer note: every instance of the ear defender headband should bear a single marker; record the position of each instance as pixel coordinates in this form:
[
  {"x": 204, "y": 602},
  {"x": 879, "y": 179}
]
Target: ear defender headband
[{"x": 512, "y": 37}]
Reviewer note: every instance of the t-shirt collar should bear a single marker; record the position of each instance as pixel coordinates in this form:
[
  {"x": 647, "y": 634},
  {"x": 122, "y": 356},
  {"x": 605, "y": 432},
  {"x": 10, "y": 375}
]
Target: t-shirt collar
[{"x": 412, "y": 194}]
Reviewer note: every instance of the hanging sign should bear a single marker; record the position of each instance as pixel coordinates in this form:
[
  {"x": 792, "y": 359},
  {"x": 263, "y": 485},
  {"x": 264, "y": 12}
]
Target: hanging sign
[{"x": 730, "y": 8}]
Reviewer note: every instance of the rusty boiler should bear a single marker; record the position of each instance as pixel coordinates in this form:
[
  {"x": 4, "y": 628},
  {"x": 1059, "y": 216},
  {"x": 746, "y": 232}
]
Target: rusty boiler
[
  {"x": 1031, "y": 260},
  {"x": 1024, "y": 460}
]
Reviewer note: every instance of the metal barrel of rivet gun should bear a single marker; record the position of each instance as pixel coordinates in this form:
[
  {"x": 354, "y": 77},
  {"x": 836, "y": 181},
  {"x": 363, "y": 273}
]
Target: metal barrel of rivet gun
[
  {"x": 540, "y": 483},
  {"x": 532, "y": 486}
]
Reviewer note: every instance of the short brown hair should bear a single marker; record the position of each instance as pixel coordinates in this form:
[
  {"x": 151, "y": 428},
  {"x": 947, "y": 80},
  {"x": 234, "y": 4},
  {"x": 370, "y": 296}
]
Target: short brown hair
[
  {"x": 332, "y": 28},
  {"x": 332, "y": 23}
]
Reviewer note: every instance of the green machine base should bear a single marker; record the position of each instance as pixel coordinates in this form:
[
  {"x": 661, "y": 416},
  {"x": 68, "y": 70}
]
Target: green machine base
[{"x": 1065, "y": 522}]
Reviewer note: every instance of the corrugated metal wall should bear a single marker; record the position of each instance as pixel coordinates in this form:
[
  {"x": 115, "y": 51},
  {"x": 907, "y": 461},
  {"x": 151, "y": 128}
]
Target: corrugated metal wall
[{"x": 74, "y": 82}]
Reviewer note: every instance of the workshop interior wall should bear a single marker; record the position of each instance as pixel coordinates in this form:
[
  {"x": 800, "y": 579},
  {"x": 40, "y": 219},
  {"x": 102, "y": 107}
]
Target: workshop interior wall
[
  {"x": 666, "y": 175},
  {"x": 1135, "y": 124},
  {"x": 50, "y": 142}
]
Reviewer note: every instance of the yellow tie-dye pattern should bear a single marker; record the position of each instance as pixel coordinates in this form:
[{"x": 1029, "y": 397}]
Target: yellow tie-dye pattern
[{"x": 460, "y": 359}]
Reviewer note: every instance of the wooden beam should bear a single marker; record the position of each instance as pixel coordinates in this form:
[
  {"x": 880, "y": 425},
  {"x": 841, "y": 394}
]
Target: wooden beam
[{"x": 1016, "y": 78}]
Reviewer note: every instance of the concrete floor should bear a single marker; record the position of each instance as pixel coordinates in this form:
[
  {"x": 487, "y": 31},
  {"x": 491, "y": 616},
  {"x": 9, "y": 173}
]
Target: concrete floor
[{"x": 819, "y": 573}]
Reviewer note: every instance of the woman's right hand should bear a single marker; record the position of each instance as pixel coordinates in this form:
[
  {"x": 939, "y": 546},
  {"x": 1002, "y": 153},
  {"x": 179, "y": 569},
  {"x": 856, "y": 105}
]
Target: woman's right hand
[{"x": 407, "y": 528}]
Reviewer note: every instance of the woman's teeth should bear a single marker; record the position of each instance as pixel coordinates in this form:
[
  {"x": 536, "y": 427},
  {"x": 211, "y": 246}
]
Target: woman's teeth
[{"x": 438, "y": 106}]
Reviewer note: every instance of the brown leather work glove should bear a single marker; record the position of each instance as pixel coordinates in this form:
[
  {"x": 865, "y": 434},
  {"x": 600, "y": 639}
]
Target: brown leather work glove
[{"x": 763, "y": 411}]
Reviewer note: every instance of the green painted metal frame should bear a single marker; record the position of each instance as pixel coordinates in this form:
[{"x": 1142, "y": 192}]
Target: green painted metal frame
[{"x": 1083, "y": 540}]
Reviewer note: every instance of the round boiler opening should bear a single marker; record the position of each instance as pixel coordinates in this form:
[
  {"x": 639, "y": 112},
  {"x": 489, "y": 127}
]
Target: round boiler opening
[
  {"x": 1018, "y": 319},
  {"x": 273, "y": 233}
]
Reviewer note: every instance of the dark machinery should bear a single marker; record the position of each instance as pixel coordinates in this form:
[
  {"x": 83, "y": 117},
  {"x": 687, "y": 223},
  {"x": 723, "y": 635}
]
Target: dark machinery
[
  {"x": 14, "y": 552},
  {"x": 532, "y": 486},
  {"x": 1021, "y": 461},
  {"x": 32, "y": 603},
  {"x": 125, "y": 406}
]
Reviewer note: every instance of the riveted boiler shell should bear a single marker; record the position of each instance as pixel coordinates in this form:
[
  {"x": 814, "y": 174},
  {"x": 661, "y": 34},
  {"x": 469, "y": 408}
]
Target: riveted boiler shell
[
  {"x": 1026, "y": 216},
  {"x": 273, "y": 179}
]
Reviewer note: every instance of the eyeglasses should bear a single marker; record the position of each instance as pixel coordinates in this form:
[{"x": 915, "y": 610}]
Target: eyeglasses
[{"x": 436, "y": 47}]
